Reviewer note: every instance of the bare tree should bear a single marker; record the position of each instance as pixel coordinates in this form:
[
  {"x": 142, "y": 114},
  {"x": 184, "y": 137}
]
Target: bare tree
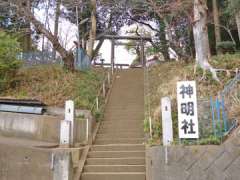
[
  {"x": 67, "y": 56},
  {"x": 200, "y": 32},
  {"x": 56, "y": 22},
  {"x": 92, "y": 34},
  {"x": 27, "y": 40},
  {"x": 216, "y": 21},
  {"x": 237, "y": 16}
]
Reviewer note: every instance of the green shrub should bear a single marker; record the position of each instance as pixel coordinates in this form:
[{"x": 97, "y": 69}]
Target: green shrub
[
  {"x": 210, "y": 140},
  {"x": 226, "y": 47},
  {"x": 9, "y": 48},
  {"x": 146, "y": 126}
]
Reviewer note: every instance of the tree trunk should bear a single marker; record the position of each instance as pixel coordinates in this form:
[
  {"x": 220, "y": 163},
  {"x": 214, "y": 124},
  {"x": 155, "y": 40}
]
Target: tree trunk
[
  {"x": 46, "y": 23},
  {"x": 56, "y": 23},
  {"x": 27, "y": 40},
  {"x": 98, "y": 47},
  {"x": 238, "y": 23},
  {"x": 163, "y": 41},
  {"x": 216, "y": 21},
  {"x": 67, "y": 57},
  {"x": 200, "y": 33},
  {"x": 92, "y": 35}
]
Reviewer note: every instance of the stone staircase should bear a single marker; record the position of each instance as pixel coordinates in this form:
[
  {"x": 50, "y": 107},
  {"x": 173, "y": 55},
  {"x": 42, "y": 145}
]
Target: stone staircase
[{"x": 118, "y": 152}]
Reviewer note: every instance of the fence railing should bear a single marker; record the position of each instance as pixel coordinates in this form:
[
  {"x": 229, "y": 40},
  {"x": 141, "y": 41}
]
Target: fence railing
[
  {"x": 102, "y": 95},
  {"x": 39, "y": 58},
  {"x": 147, "y": 102},
  {"x": 81, "y": 59},
  {"x": 116, "y": 66},
  {"x": 217, "y": 115},
  {"x": 225, "y": 108}
]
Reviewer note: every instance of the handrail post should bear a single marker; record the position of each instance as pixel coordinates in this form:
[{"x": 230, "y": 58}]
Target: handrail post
[
  {"x": 109, "y": 79},
  {"x": 87, "y": 130},
  {"x": 104, "y": 89},
  {"x": 150, "y": 127},
  {"x": 97, "y": 103}
]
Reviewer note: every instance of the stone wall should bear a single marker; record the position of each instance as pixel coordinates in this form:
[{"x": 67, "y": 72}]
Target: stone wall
[{"x": 196, "y": 162}]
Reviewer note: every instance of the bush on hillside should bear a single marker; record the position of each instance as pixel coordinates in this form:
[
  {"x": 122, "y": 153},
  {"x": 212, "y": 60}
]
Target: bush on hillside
[
  {"x": 9, "y": 64},
  {"x": 226, "y": 47}
]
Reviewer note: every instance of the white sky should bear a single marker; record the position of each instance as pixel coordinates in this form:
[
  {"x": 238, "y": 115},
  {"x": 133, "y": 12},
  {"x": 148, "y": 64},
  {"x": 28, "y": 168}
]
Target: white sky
[
  {"x": 68, "y": 34},
  {"x": 122, "y": 56}
]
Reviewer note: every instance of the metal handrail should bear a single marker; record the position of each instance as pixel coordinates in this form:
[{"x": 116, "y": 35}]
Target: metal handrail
[
  {"x": 103, "y": 90},
  {"x": 147, "y": 99}
]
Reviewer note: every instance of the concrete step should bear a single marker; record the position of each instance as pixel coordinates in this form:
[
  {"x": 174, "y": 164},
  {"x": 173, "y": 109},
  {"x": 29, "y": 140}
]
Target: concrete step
[
  {"x": 115, "y": 154},
  {"x": 128, "y": 117},
  {"x": 121, "y": 135},
  {"x": 114, "y": 168},
  {"x": 122, "y": 126},
  {"x": 116, "y": 161},
  {"x": 124, "y": 114},
  {"x": 119, "y": 147},
  {"x": 119, "y": 130},
  {"x": 134, "y": 108},
  {"x": 113, "y": 176},
  {"x": 125, "y": 106},
  {"x": 119, "y": 141},
  {"x": 114, "y": 120},
  {"x": 122, "y": 121}
]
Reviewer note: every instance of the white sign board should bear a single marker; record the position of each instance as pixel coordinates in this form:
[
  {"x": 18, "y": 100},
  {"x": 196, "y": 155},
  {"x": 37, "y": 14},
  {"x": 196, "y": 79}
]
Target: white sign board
[
  {"x": 187, "y": 110},
  {"x": 167, "y": 127}
]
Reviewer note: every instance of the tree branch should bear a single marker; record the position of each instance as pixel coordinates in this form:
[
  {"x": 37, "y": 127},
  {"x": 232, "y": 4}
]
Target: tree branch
[
  {"x": 146, "y": 24},
  {"x": 67, "y": 57}
]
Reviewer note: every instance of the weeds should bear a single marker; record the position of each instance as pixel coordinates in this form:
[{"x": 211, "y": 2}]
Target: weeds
[
  {"x": 53, "y": 85},
  {"x": 163, "y": 80}
]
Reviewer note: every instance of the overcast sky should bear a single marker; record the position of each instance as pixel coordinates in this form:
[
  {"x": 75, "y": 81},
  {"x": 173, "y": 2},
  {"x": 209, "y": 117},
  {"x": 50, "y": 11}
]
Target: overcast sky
[{"x": 68, "y": 34}]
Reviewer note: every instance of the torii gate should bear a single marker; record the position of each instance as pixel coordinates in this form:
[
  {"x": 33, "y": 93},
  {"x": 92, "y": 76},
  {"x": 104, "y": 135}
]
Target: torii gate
[{"x": 113, "y": 38}]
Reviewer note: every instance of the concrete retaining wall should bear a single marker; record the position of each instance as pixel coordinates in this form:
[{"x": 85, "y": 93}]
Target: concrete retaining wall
[
  {"x": 19, "y": 162},
  {"x": 196, "y": 162},
  {"x": 42, "y": 127},
  {"x": 24, "y": 163}
]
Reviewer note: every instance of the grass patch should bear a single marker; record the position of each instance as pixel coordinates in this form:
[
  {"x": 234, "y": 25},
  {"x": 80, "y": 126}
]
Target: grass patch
[
  {"x": 53, "y": 85},
  {"x": 163, "y": 81}
]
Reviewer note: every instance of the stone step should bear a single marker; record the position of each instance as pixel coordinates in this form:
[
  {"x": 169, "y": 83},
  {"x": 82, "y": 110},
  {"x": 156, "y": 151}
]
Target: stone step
[
  {"x": 115, "y": 154},
  {"x": 114, "y": 168},
  {"x": 119, "y": 147},
  {"x": 121, "y": 135},
  {"x": 113, "y": 176},
  {"x": 119, "y": 141},
  {"x": 116, "y": 161}
]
